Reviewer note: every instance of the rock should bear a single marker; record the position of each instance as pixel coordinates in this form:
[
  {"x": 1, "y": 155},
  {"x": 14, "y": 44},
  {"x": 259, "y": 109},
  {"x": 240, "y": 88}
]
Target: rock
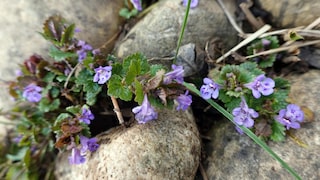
[
  {"x": 292, "y": 13},
  {"x": 232, "y": 156},
  {"x": 97, "y": 20},
  {"x": 157, "y": 34},
  {"x": 166, "y": 148}
]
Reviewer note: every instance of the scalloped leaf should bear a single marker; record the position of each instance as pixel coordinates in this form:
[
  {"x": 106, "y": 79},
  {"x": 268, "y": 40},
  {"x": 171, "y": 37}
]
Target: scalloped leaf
[{"x": 278, "y": 131}]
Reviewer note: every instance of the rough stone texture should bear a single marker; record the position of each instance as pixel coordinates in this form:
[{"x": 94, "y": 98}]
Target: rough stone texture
[
  {"x": 167, "y": 148},
  {"x": 292, "y": 13},
  {"x": 21, "y": 20},
  {"x": 157, "y": 34},
  {"x": 232, "y": 156}
]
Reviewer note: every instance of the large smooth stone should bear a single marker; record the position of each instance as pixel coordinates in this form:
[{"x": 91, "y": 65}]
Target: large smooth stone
[
  {"x": 292, "y": 13},
  {"x": 98, "y": 21},
  {"x": 157, "y": 34},
  {"x": 166, "y": 148},
  {"x": 232, "y": 156}
]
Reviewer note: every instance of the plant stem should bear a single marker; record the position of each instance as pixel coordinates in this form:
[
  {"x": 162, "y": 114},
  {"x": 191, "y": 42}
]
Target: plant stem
[
  {"x": 184, "y": 24},
  {"x": 117, "y": 109}
]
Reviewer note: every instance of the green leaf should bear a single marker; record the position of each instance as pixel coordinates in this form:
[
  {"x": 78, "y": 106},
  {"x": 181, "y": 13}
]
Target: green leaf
[
  {"x": 49, "y": 77},
  {"x": 117, "y": 69},
  {"x": 135, "y": 65},
  {"x": 62, "y": 117},
  {"x": 67, "y": 35},
  {"x": 46, "y": 105},
  {"x": 235, "y": 102},
  {"x": 27, "y": 158},
  {"x": 59, "y": 55},
  {"x": 124, "y": 12},
  {"x": 16, "y": 172},
  {"x": 117, "y": 89},
  {"x": 73, "y": 109},
  {"x": 252, "y": 67},
  {"x": 155, "y": 68},
  {"x": 55, "y": 92},
  {"x": 19, "y": 156},
  {"x": 294, "y": 36},
  {"x": 92, "y": 89},
  {"x": 138, "y": 92},
  {"x": 278, "y": 131}
]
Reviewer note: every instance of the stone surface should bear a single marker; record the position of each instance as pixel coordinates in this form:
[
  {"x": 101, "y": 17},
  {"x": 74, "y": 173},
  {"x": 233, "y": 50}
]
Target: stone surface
[
  {"x": 292, "y": 13},
  {"x": 232, "y": 156},
  {"x": 21, "y": 20},
  {"x": 157, "y": 34},
  {"x": 166, "y": 148}
]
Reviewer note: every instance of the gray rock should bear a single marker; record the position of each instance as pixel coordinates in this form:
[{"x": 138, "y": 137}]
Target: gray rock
[
  {"x": 292, "y": 13},
  {"x": 157, "y": 34},
  {"x": 232, "y": 156},
  {"x": 166, "y": 148}
]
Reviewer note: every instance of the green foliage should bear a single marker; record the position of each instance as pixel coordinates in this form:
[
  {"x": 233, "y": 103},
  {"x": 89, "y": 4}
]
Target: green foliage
[
  {"x": 91, "y": 89},
  {"x": 278, "y": 132},
  {"x": 126, "y": 13},
  {"x": 258, "y": 46},
  {"x": 59, "y": 55},
  {"x": 119, "y": 90}
]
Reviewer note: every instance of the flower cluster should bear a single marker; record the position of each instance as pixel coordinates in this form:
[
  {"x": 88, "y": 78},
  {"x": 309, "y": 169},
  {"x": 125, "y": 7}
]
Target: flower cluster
[
  {"x": 86, "y": 115},
  {"x": 291, "y": 117},
  {"x": 145, "y": 112},
  {"x": 184, "y": 101},
  {"x": 175, "y": 75},
  {"x": 84, "y": 48},
  {"x": 78, "y": 155},
  {"x": 243, "y": 115},
  {"x": 261, "y": 85},
  {"x": 102, "y": 75},
  {"x": 210, "y": 89},
  {"x": 137, "y": 4},
  {"x": 32, "y": 93},
  {"x": 194, "y": 3}
]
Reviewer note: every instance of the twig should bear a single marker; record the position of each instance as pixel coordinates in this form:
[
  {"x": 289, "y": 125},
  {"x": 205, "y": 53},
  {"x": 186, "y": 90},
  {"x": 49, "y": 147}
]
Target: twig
[
  {"x": 117, "y": 109},
  {"x": 313, "y": 24},
  {"x": 255, "y": 22},
  {"x": 230, "y": 18},
  {"x": 258, "y": 33},
  {"x": 70, "y": 74},
  {"x": 207, "y": 52},
  {"x": 203, "y": 172},
  {"x": 285, "y": 48}
]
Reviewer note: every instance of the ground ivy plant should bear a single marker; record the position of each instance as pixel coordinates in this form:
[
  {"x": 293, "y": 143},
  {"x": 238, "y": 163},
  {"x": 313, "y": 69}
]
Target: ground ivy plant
[{"x": 57, "y": 99}]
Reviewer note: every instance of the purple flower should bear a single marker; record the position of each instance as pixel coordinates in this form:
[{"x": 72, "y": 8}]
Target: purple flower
[
  {"x": 291, "y": 116},
  {"x": 194, "y": 3},
  {"x": 32, "y": 93},
  {"x": 96, "y": 51},
  {"x": 86, "y": 115},
  {"x": 82, "y": 53},
  {"x": 243, "y": 115},
  {"x": 76, "y": 157},
  {"x": 88, "y": 144},
  {"x": 17, "y": 139},
  {"x": 102, "y": 75},
  {"x": 265, "y": 42},
  {"x": 176, "y": 75},
  {"x": 209, "y": 89},
  {"x": 145, "y": 112},
  {"x": 261, "y": 84},
  {"x": 137, "y": 4},
  {"x": 184, "y": 101}
]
